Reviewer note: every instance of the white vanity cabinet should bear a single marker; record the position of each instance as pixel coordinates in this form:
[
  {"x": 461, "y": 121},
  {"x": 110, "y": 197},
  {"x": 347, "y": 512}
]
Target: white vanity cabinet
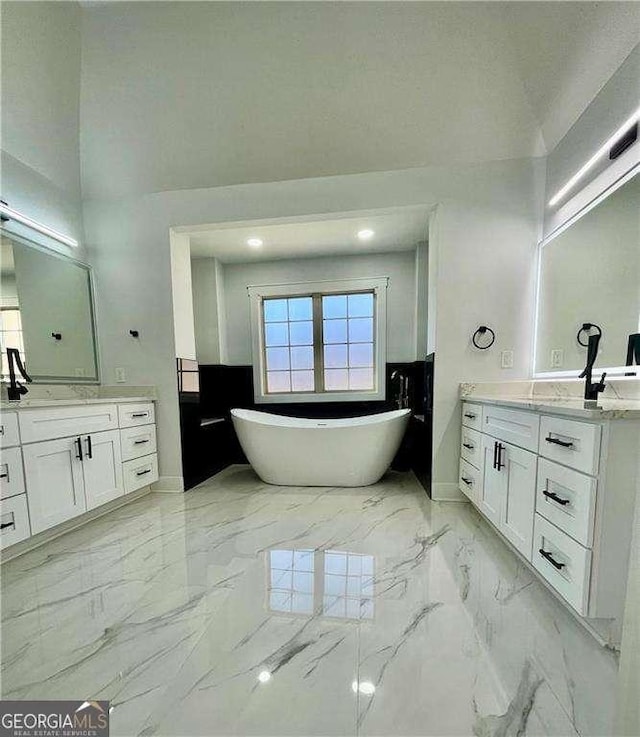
[
  {"x": 561, "y": 490},
  {"x": 76, "y": 459}
]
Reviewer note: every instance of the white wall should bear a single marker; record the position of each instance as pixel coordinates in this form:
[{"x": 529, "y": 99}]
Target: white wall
[
  {"x": 179, "y": 96},
  {"x": 489, "y": 227},
  {"x": 205, "y": 273},
  {"x": 399, "y": 267},
  {"x": 182, "y": 291},
  {"x": 40, "y": 113}
]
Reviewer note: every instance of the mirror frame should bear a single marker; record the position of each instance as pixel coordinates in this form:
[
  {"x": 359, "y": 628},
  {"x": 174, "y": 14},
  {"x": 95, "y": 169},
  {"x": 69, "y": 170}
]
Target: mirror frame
[
  {"x": 39, "y": 245},
  {"x": 614, "y": 372}
]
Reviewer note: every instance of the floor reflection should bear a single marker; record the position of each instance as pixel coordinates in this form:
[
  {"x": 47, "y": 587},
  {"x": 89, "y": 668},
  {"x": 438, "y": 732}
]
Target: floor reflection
[{"x": 333, "y": 583}]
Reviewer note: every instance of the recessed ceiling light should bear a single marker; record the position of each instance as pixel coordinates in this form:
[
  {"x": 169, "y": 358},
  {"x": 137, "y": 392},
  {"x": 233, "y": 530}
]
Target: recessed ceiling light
[
  {"x": 254, "y": 242},
  {"x": 365, "y": 687},
  {"x": 264, "y": 676},
  {"x": 365, "y": 234}
]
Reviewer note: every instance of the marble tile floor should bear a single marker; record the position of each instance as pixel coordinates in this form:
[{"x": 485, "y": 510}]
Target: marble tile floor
[{"x": 241, "y": 608}]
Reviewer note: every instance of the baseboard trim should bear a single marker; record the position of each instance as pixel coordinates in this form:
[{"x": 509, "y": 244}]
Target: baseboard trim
[
  {"x": 169, "y": 485},
  {"x": 41, "y": 538},
  {"x": 447, "y": 492}
]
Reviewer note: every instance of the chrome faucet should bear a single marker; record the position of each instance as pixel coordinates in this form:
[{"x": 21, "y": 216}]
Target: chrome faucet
[
  {"x": 15, "y": 389},
  {"x": 402, "y": 397},
  {"x": 592, "y": 390}
]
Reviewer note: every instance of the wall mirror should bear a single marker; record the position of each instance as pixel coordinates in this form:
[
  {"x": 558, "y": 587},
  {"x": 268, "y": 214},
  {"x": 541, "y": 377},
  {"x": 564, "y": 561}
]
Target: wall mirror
[
  {"x": 590, "y": 273},
  {"x": 46, "y": 311}
]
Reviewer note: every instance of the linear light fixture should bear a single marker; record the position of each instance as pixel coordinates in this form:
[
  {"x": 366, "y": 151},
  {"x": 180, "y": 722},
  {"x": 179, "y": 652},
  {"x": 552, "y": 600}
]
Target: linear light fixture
[
  {"x": 633, "y": 118},
  {"x": 9, "y": 213}
]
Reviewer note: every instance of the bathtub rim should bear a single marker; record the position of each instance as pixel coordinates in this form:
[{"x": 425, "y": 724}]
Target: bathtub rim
[{"x": 269, "y": 419}]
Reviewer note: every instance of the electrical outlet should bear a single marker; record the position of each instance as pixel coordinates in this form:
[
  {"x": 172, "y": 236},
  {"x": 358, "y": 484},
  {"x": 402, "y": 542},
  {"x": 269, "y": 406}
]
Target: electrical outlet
[
  {"x": 121, "y": 375},
  {"x": 557, "y": 358},
  {"x": 506, "y": 359}
]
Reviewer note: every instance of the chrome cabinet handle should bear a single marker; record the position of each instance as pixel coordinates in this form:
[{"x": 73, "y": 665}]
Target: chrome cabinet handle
[
  {"x": 555, "y": 497},
  {"x": 545, "y": 554}
]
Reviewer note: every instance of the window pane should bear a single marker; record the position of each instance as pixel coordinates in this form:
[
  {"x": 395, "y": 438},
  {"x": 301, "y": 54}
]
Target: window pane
[
  {"x": 301, "y": 603},
  {"x": 277, "y": 359},
  {"x": 302, "y": 381},
  {"x": 334, "y": 331},
  {"x": 276, "y": 333},
  {"x": 361, "y": 378},
  {"x": 334, "y": 306},
  {"x": 300, "y": 308},
  {"x": 278, "y": 381},
  {"x": 336, "y": 379},
  {"x": 282, "y": 559},
  {"x": 335, "y": 356},
  {"x": 301, "y": 333},
  {"x": 302, "y": 357},
  {"x": 361, "y": 330},
  {"x": 275, "y": 310},
  {"x": 303, "y": 560},
  {"x": 361, "y": 305},
  {"x": 361, "y": 354}
]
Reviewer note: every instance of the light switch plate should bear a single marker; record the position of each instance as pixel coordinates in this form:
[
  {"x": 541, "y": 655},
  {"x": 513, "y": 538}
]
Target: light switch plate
[
  {"x": 557, "y": 358},
  {"x": 506, "y": 359},
  {"x": 121, "y": 375}
]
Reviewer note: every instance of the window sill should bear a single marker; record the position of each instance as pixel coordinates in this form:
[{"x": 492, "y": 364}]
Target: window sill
[{"x": 309, "y": 397}]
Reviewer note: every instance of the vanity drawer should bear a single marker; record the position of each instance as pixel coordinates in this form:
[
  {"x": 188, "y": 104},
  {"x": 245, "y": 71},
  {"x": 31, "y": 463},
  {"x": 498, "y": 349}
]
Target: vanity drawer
[
  {"x": 140, "y": 472},
  {"x": 9, "y": 430},
  {"x": 132, "y": 415},
  {"x": 471, "y": 446},
  {"x": 62, "y": 422},
  {"x": 14, "y": 514},
  {"x": 472, "y": 415},
  {"x": 11, "y": 472},
  {"x": 470, "y": 481},
  {"x": 575, "y": 444},
  {"x": 570, "y": 574},
  {"x": 568, "y": 499},
  {"x": 518, "y": 428},
  {"x": 137, "y": 441}
]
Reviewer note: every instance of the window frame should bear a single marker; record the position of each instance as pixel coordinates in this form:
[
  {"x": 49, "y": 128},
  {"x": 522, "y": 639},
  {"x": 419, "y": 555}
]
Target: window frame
[{"x": 257, "y": 294}]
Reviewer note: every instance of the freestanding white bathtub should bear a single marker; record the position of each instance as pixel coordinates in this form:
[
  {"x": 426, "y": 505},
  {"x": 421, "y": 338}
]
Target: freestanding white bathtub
[{"x": 290, "y": 451}]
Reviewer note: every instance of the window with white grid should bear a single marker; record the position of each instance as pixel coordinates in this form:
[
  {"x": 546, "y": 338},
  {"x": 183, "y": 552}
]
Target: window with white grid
[{"x": 319, "y": 346}]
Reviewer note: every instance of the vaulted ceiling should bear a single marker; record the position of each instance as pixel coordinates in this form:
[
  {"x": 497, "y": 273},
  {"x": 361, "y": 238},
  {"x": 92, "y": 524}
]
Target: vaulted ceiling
[{"x": 180, "y": 95}]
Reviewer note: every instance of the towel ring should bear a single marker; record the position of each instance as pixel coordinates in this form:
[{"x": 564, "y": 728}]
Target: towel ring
[
  {"x": 481, "y": 331},
  {"x": 586, "y": 326}
]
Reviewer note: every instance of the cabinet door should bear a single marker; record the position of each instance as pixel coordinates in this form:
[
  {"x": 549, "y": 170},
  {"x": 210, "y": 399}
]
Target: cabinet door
[
  {"x": 494, "y": 486},
  {"x": 55, "y": 486},
  {"x": 516, "y": 522},
  {"x": 102, "y": 467}
]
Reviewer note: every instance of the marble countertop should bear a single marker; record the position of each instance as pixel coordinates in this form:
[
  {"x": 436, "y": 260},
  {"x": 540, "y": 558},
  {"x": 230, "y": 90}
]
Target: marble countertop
[
  {"x": 6, "y": 405},
  {"x": 605, "y": 409}
]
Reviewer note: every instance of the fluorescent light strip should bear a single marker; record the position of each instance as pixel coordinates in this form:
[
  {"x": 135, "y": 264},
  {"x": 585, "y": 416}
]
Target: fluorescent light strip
[
  {"x": 20, "y": 218},
  {"x": 598, "y": 154}
]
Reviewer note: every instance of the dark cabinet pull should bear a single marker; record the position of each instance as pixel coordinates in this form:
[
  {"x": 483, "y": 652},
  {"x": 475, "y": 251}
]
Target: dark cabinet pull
[
  {"x": 468, "y": 445},
  {"x": 551, "y": 559},
  {"x": 57, "y": 336},
  {"x": 495, "y": 453},
  {"x": 4, "y": 475},
  {"x": 555, "y": 497},
  {"x": 142, "y": 473},
  {"x": 140, "y": 442},
  {"x": 499, "y": 464},
  {"x": 78, "y": 444},
  {"x": 4, "y": 525},
  {"x": 470, "y": 416},
  {"x": 89, "y": 447},
  {"x": 139, "y": 414},
  {"x": 563, "y": 443},
  {"x": 468, "y": 482}
]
